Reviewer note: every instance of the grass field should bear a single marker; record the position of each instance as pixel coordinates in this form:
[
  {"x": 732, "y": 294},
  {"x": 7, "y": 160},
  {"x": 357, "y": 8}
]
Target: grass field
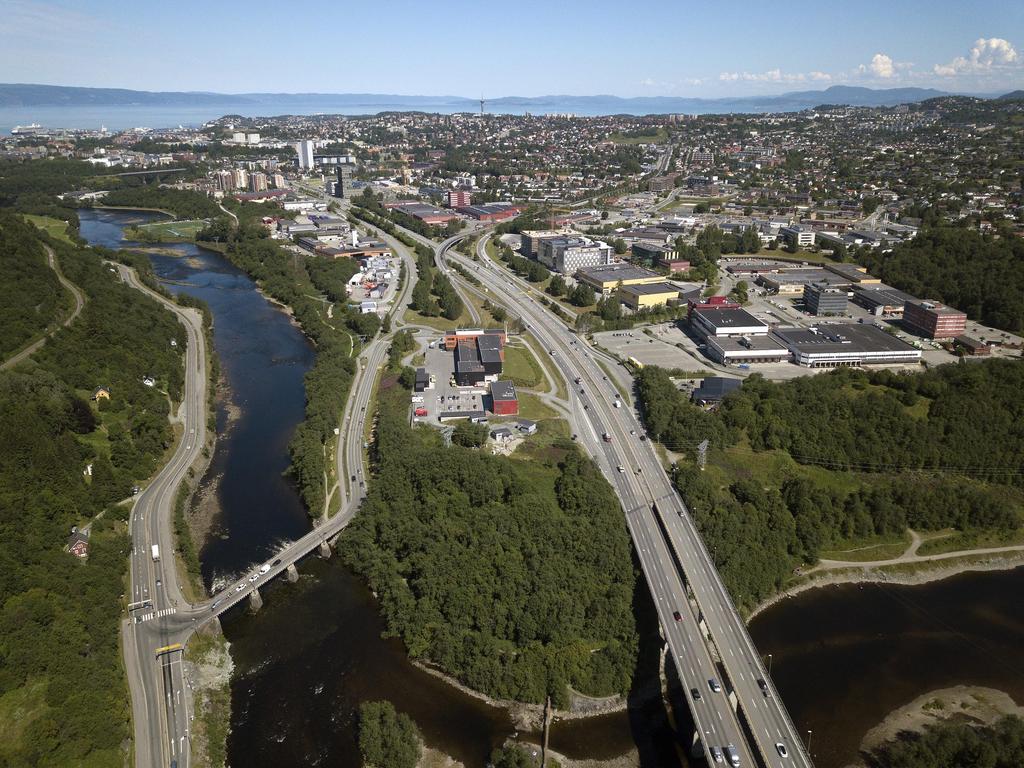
[
  {"x": 660, "y": 138},
  {"x": 173, "y": 230},
  {"x": 522, "y": 367},
  {"x": 869, "y": 548},
  {"x": 957, "y": 540},
  {"x": 53, "y": 227}
]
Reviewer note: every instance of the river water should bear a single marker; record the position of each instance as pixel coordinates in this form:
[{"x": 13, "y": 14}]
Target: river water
[{"x": 842, "y": 657}]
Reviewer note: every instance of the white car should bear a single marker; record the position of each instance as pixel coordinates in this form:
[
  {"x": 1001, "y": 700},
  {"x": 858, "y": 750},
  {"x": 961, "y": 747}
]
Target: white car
[
  {"x": 264, "y": 569},
  {"x": 240, "y": 587}
]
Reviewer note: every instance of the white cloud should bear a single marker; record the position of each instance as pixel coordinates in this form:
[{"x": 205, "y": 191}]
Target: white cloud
[
  {"x": 820, "y": 76},
  {"x": 770, "y": 76},
  {"x": 986, "y": 54},
  {"x": 882, "y": 66}
]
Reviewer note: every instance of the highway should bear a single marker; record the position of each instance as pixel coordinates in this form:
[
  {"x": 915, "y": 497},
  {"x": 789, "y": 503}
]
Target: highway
[{"x": 655, "y": 512}]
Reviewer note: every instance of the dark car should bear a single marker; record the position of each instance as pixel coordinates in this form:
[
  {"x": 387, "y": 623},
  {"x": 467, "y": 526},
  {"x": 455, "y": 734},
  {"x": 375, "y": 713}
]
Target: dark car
[
  {"x": 762, "y": 685},
  {"x": 695, "y": 693},
  {"x": 677, "y": 615}
]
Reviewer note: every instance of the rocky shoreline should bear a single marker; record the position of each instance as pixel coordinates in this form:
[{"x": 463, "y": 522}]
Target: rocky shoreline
[{"x": 923, "y": 574}]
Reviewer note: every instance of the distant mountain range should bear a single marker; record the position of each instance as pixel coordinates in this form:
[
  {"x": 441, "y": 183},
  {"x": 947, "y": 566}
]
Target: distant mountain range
[{"x": 27, "y": 95}]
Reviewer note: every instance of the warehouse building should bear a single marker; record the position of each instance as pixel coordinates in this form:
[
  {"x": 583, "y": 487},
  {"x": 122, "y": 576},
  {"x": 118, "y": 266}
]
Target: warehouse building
[
  {"x": 715, "y": 322},
  {"x": 824, "y": 299},
  {"x": 452, "y": 338},
  {"x": 606, "y": 278},
  {"x": 934, "y": 319},
  {"x": 747, "y": 349},
  {"x": 649, "y": 295},
  {"x": 833, "y": 345},
  {"x": 713, "y": 388},
  {"x": 504, "y": 401},
  {"x": 853, "y": 274},
  {"x": 881, "y": 300}
]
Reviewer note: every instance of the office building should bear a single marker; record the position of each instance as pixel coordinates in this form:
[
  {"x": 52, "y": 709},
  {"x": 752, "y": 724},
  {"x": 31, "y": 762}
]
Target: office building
[
  {"x": 459, "y": 198},
  {"x": 530, "y": 240},
  {"x": 934, "y": 319},
  {"x": 881, "y": 300},
  {"x": 569, "y": 254},
  {"x": 824, "y": 299},
  {"x": 797, "y": 236},
  {"x": 304, "y": 149},
  {"x": 343, "y": 185},
  {"x": 745, "y": 349},
  {"x": 833, "y": 345}
]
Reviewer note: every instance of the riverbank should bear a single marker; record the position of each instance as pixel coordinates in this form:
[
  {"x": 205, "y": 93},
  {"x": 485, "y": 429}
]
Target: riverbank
[
  {"x": 968, "y": 704},
  {"x": 909, "y": 574}
]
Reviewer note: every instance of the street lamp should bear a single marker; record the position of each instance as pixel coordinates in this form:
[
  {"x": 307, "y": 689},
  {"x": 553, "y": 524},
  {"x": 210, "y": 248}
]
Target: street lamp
[
  {"x": 809, "y": 741},
  {"x": 769, "y": 665}
]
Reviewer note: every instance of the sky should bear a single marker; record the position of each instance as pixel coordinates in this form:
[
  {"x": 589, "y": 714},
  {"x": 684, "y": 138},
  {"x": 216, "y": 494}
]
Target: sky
[{"x": 519, "y": 48}]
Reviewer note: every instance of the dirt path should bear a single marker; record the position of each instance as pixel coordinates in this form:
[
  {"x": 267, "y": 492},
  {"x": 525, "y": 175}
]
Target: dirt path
[
  {"x": 910, "y": 556},
  {"x": 51, "y": 259}
]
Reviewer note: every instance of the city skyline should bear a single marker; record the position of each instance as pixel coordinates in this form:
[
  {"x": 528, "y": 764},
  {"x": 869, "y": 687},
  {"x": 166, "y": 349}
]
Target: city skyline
[{"x": 700, "y": 51}]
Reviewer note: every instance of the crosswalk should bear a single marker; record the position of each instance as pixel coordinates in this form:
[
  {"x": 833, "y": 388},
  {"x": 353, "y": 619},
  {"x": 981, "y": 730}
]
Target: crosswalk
[{"x": 157, "y": 614}]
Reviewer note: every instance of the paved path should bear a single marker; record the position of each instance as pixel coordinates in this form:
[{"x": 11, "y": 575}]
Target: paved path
[{"x": 51, "y": 259}]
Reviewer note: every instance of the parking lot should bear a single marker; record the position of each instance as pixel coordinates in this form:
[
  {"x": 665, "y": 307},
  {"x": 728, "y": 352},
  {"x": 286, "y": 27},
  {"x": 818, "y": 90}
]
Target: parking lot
[{"x": 445, "y": 397}]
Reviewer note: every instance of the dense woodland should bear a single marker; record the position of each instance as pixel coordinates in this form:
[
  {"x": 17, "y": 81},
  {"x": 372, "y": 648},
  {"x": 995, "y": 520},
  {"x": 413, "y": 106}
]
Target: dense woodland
[
  {"x": 182, "y": 203},
  {"x": 514, "y": 576},
  {"x": 930, "y": 450},
  {"x": 387, "y": 738},
  {"x": 61, "y": 681},
  {"x": 949, "y": 744},
  {"x": 31, "y": 297},
  {"x": 980, "y": 275}
]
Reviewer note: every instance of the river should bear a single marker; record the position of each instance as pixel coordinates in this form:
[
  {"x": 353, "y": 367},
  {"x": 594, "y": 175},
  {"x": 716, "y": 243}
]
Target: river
[{"x": 842, "y": 657}]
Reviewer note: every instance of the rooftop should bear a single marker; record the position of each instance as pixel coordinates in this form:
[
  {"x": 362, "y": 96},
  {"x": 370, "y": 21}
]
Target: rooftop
[
  {"x": 728, "y": 318},
  {"x": 503, "y": 390},
  {"x": 841, "y": 337},
  {"x": 650, "y": 288},
  {"x": 615, "y": 272}
]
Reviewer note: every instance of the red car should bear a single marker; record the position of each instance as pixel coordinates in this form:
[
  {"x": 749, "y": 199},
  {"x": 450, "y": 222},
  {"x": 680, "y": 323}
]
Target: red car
[
  {"x": 420, "y": 411},
  {"x": 677, "y": 615}
]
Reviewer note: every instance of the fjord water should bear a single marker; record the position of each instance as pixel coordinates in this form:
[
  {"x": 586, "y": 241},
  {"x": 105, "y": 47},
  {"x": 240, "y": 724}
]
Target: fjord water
[{"x": 843, "y": 657}]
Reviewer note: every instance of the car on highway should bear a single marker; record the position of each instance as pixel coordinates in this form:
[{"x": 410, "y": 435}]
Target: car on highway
[
  {"x": 253, "y": 577},
  {"x": 277, "y": 562},
  {"x": 714, "y": 686},
  {"x": 762, "y": 685},
  {"x": 214, "y": 604},
  {"x": 695, "y": 693},
  {"x": 733, "y": 756},
  {"x": 781, "y": 749},
  {"x": 240, "y": 587},
  {"x": 620, "y": 468},
  {"x": 265, "y": 568},
  {"x": 716, "y": 755},
  {"x": 677, "y": 615}
]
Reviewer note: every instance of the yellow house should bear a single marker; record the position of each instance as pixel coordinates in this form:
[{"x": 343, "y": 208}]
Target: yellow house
[
  {"x": 607, "y": 278},
  {"x": 101, "y": 393}
]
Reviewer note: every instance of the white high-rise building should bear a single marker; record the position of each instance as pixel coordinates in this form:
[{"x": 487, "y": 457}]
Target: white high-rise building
[{"x": 305, "y": 150}]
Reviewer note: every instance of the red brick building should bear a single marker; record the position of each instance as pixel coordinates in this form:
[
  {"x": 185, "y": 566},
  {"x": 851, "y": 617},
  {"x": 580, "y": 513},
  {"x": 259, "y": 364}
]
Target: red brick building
[
  {"x": 934, "y": 320},
  {"x": 459, "y": 198}
]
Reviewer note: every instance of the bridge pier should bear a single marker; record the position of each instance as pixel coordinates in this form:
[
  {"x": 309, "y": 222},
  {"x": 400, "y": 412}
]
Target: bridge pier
[
  {"x": 325, "y": 550},
  {"x": 292, "y": 573},
  {"x": 255, "y": 601},
  {"x": 696, "y": 746}
]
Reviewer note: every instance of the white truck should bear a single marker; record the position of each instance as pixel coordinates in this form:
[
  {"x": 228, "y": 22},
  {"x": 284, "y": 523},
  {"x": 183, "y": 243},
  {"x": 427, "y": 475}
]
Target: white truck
[{"x": 156, "y": 552}]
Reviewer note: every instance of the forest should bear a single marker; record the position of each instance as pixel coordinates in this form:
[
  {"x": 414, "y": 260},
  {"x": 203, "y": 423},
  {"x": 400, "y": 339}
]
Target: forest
[
  {"x": 185, "y": 204},
  {"x": 61, "y": 681},
  {"x": 871, "y": 454},
  {"x": 31, "y": 297},
  {"x": 981, "y": 275},
  {"x": 1000, "y": 745},
  {"x": 387, "y": 738},
  {"x": 514, "y": 576}
]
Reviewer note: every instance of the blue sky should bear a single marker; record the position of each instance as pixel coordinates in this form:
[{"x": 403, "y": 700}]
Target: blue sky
[{"x": 527, "y": 48}]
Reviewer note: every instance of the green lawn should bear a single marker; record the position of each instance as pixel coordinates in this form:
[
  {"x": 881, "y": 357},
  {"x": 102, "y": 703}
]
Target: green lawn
[
  {"x": 660, "y": 138},
  {"x": 533, "y": 408},
  {"x": 522, "y": 367},
  {"x": 185, "y": 230},
  {"x": 957, "y": 540},
  {"x": 53, "y": 227}
]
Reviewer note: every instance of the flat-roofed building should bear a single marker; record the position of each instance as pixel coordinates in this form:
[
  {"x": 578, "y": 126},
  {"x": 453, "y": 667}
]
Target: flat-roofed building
[
  {"x": 607, "y": 278},
  {"x": 504, "y": 401},
  {"x": 798, "y": 236},
  {"x": 881, "y": 300},
  {"x": 792, "y": 281},
  {"x": 934, "y": 319},
  {"x": 833, "y": 345},
  {"x": 853, "y": 274},
  {"x": 824, "y": 299},
  {"x": 567, "y": 254},
  {"x": 713, "y": 388},
  {"x": 736, "y": 350},
  {"x": 711, "y": 322},
  {"x": 648, "y": 295},
  {"x": 530, "y": 240}
]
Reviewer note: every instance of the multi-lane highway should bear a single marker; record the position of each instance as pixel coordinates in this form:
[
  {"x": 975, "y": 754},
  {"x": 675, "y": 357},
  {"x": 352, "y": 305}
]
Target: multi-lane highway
[{"x": 655, "y": 512}]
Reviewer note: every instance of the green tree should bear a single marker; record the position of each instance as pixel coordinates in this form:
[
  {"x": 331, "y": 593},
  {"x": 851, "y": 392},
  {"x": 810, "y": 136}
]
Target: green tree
[{"x": 387, "y": 738}]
